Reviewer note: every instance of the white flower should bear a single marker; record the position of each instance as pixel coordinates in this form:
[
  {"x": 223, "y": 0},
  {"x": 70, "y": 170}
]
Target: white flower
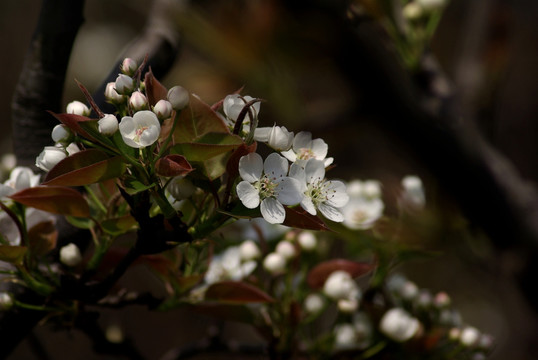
[
  {"x": 249, "y": 250},
  {"x": 305, "y": 148},
  {"x": 163, "y": 109},
  {"x": 286, "y": 249},
  {"x": 228, "y": 266},
  {"x": 345, "y": 336},
  {"x": 49, "y": 157},
  {"x": 362, "y": 213},
  {"x": 398, "y": 325},
  {"x": 233, "y": 104},
  {"x": 339, "y": 285},
  {"x": 314, "y": 303},
  {"x": 21, "y": 178},
  {"x": 72, "y": 149},
  {"x": 77, "y": 108},
  {"x": 141, "y": 130},
  {"x": 412, "y": 11},
  {"x": 111, "y": 94},
  {"x": 431, "y": 4},
  {"x": 138, "y": 101},
  {"x": 60, "y": 133},
  {"x": 129, "y": 66},
  {"x": 181, "y": 188},
  {"x": 307, "y": 240},
  {"x": 277, "y": 137},
  {"x": 409, "y": 290},
  {"x": 108, "y": 124},
  {"x": 275, "y": 263},
  {"x": 413, "y": 192},
  {"x": 124, "y": 84},
  {"x": 348, "y": 306},
  {"x": 325, "y": 196},
  {"x": 178, "y": 97},
  {"x": 11, "y": 233},
  {"x": 469, "y": 336},
  {"x": 70, "y": 255},
  {"x": 266, "y": 182},
  {"x": 6, "y": 301}
]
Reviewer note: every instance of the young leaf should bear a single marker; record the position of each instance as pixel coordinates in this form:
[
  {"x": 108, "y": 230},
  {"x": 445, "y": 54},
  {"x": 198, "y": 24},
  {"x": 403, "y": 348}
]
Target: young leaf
[
  {"x": 317, "y": 276},
  {"x": 237, "y": 293},
  {"x": 120, "y": 225},
  {"x": 74, "y": 122},
  {"x": 300, "y": 219},
  {"x": 54, "y": 199},
  {"x": 173, "y": 165},
  {"x": 42, "y": 238},
  {"x": 84, "y": 168},
  {"x": 155, "y": 91},
  {"x": 208, "y": 146},
  {"x": 12, "y": 254}
]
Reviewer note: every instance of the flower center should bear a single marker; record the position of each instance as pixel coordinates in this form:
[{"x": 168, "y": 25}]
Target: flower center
[
  {"x": 305, "y": 154},
  {"x": 359, "y": 216},
  {"x": 319, "y": 191},
  {"x": 139, "y": 132},
  {"x": 266, "y": 187}
]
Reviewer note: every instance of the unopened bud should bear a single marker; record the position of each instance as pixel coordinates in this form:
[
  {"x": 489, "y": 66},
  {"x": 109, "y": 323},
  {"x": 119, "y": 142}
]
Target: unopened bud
[
  {"x": 108, "y": 125},
  {"x": 61, "y": 134},
  {"x": 178, "y": 97},
  {"x": 77, "y": 108},
  {"x": 138, "y": 101},
  {"x": 124, "y": 84},
  {"x": 6, "y": 301},
  {"x": 70, "y": 255},
  {"x": 286, "y": 249},
  {"x": 469, "y": 336},
  {"x": 314, "y": 303},
  {"x": 249, "y": 250},
  {"x": 307, "y": 241},
  {"x": 163, "y": 109},
  {"x": 275, "y": 263},
  {"x": 112, "y": 95},
  {"x": 129, "y": 66}
]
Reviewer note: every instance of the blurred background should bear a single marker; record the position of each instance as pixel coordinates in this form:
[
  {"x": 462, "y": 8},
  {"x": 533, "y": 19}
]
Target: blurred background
[{"x": 487, "y": 48}]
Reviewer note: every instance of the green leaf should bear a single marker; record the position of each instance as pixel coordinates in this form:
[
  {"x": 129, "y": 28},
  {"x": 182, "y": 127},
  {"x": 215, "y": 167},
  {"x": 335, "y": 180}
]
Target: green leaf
[
  {"x": 236, "y": 292},
  {"x": 317, "y": 276},
  {"x": 213, "y": 168},
  {"x": 196, "y": 120},
  {"x": 208, "y": 146},
  {"x": 81, "y": 223},
  {"x": 12, "y": 254},
  {"x": 133, "y": 186},
  {"x": 84, "y": 168},
  {"x": 119, "y": 225},
  {"x": 54, "y": 199}
]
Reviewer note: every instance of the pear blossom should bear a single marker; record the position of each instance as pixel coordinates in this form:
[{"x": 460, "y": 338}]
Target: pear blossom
[
  {"x": 141, "y": 130},
  {"x": 11, "y": 233},
  {"x": 108, "y": 124},
  {"x": 340, "y": 285},
  {"x": 275, "y": 263},
  {"x": 314, "y": 303},
  {"x": 304, "y": 148},
  {"x": 112, "y": 95},
  {"x": 228, "y": 266},
  {"x": 70, "y": 255},
  {"x": 277, "y": 137},
  {"x": 233, "y": 104},
  {"x": 72, "y": 149},
  {"x": 249, "y": 250},
  {"x": 286, "y": 249},
  {"x": 345, "y": 336},
  {"x": 49, "y": 157},
  {"x": 267, "y": 185},
  {"x": 365, "y": 206},
  {"x": 412, "y": 10},
  {"x": 77, "y": 108},
  {"x": 469, "y": 336},
  {"x": 60, "y": 133},
  {"x": 124, "y": 84},
  {"x": 413, "y": 193},
  {"x": 129, "y": 66},
  {"x": 327, "y": 196},
  {"x": 307, "y": 240},
  {"x": 178, "y": 97},
  {"x": 138, "y": 101},
  {"x": 399, "y": 325},
  {"x": 430, "y": 5},
  {"x": 21, "y": 178},
  {"x": 163, "y": 109}
]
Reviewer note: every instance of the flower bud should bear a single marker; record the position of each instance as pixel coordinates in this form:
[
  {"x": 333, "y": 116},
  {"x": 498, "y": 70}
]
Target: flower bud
[
  {"x": 70, "y": 255},
  {"x": 248, "y": 250},
  {"x": 178, "y": 97},
  {"x": 286, "y": 249},
  {"x": 275, "y": 263},
  {"x": 348, "y": 306},
  {"x": 345, "y": 336},
  {"x": 314, "y": 303},
  {"x": 72, "y": 149},
  {"x": 112, "y": 95},
  {"x": 128, "y": 66},
  {"x": 398, "y": 325},
  {"x": 409, "y": 290},
  {"x": 49, "y": 157},
  {"x": 430, "y": 5},
  {"x": 77, "y": 108},
  {"x": 307, "y": 241},
  {"x": 339, "y": 285},
  {"x": 469, "y": 336},
  {"x": 61, "y": 134},
  {"x": 371, "y": 189},
  {"x": 124, "y": 85},
  {"x": 441, "y": 300},
  {"x": 108, "y": 124},
  {"x": 412, "y": 11},
  {"x": 138, "y": 101},
  {"x": 6, "y": 301},
  {"x": 181, "y": 188},
  {"x": 163, "y": 109},
  {"x": 277, "y": 137}
]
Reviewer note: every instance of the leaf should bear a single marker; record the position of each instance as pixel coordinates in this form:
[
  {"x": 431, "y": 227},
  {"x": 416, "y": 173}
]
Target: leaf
[
  {"x": 317, "y": 276},
  {"x": 42, "y": 238},
  {"x": 208, "y": 146},
  {"x": 119, "y": 225},
  {"x": 133, "y": 186},
  {"x": 242, "y": 212},
  {"x": 74, "y": 122},
  {"x": 81, "y": 223},
  {"x": 155, "y": 91},
  {"x": 54, "y": 199},
  {"x": 236, "y": 292},
  {"x": 300, "y": 219},
  {"x": 84, "y": 168},
  {"x": 197, "y": 119},
  {"x": 173, "y": 165},
  {"x": 216, "y": 166},
  {"x": 12, "y": 254}
]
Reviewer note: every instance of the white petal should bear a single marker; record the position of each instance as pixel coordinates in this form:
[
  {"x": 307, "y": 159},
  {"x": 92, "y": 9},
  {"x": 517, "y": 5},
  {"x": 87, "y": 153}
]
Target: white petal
[
  {"x": 275, "y": 166},
  {"x": 272, "y": 211},
  {"x": 297, "y": 172},
  {"x": 314, "y": 170},
  {"x": 290, "y": 155},
  {"x": 330, "y": 212},
  {"x": 289, "y": 191},
  {"x": 303, "y": 140},
  {"x": 319, "y": 148},
  {"x": 328, "y": 161},
  {"x": 336, "y": 194},
  {"x": 308, "y": 205},
  {"x": 262, "y": 134},
  {"x": 127, "y": 127},
  {"x": 248, "y": 194},
  {"x": 251, "y": 167},
  {"x": 149, "y": 136}
]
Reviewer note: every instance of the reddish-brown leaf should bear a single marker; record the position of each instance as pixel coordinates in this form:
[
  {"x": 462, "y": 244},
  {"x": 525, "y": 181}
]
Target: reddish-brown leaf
[
  {"x": 42, "y": 238},
  {"x": 173, "y": 165},
  {"x": 236, "y": 292},
  {"x": 54, "y": 199},
  {"x": 317, "y": 276},
  {"x": 300, "y": 219},
  {"x": 72, "y": 122},
  {"x": 155, "y": 91}
]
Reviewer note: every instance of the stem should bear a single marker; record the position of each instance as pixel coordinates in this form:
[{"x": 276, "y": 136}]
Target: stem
[{"x": 95, "y": 199}]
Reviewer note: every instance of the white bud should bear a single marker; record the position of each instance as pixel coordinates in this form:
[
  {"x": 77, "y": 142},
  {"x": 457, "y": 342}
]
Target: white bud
[
  {"x": 181, "y": 188},
  {"x": 286, "y": 249},
  {"x": 398, "y": 325},
  {"x": 409, "y": 290},
  {"x": 108, "y": 124},
  {"x": 345, "y": 336},
  {"x": 129, "y": 66},
  {"x": 124, "y": 84},
  {"x": 138, "y": 101},
  {"x": 277, "y": 137},
  {"x": 307, "y": 241},
  {"x": 60, "y": 133},
  {"x": 413, "y": 193},
  {"x": 178, "y": 97},
  {"x": 70, "y": 255},
  {"x": 314, "y": 303},
  {"x": 9, "y": 161},
  {"x": 49, "y": 157},
  {"x": 348, "y": 306},
  {"x": 412, "y": 11},
  {"x": 249, "y": 250},
  {"x": 6, "y": 301},
  {"x": 77, "y": 108},
  {"x": 454, "y": 334},
  {"x": 111, "y": 94},
  {"x": 441, "y": 300},
  {"x": 469, "y": 336},
  {"x": 339, "y": 285},
  {"x": 163, "y": 109},
  {"x": 72, "y": 149},
  {"x": 275, "y": 263}
]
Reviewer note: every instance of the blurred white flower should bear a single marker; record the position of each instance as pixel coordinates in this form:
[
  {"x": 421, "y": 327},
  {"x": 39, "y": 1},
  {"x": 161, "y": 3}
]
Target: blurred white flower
[
  {"x": 275, "y": 263},
  {"x": 413, "y": 193},
  {"x": 9, "y": 230},
  {"x": 228, "y": 266},
  {"x": 399, "y": 325},
  {"x": 108, "y": 124},
  {"x": 77, "y": 108},
  {"x": 305, "y": 148},
  {"x": 249, "y": 250},
  {"x": 6, "y": 301},
  {"x": 430, "y": 5},
  {"x": 314, "y": 303},
  {"x": 286, "y": 249},
  {"x": 365, "y": 206},
  {"x": 20, "y": 178},
  {"x": 340, "y": 285},
  {"x": 345, "y": 336},
  {"x": 49, "y": 157},
  {"x": 307, "y": 240},
  {"x": 70, "y": 255},
  {"x": 141, "y": 130},
  {"x": 469, "y": 336}
]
